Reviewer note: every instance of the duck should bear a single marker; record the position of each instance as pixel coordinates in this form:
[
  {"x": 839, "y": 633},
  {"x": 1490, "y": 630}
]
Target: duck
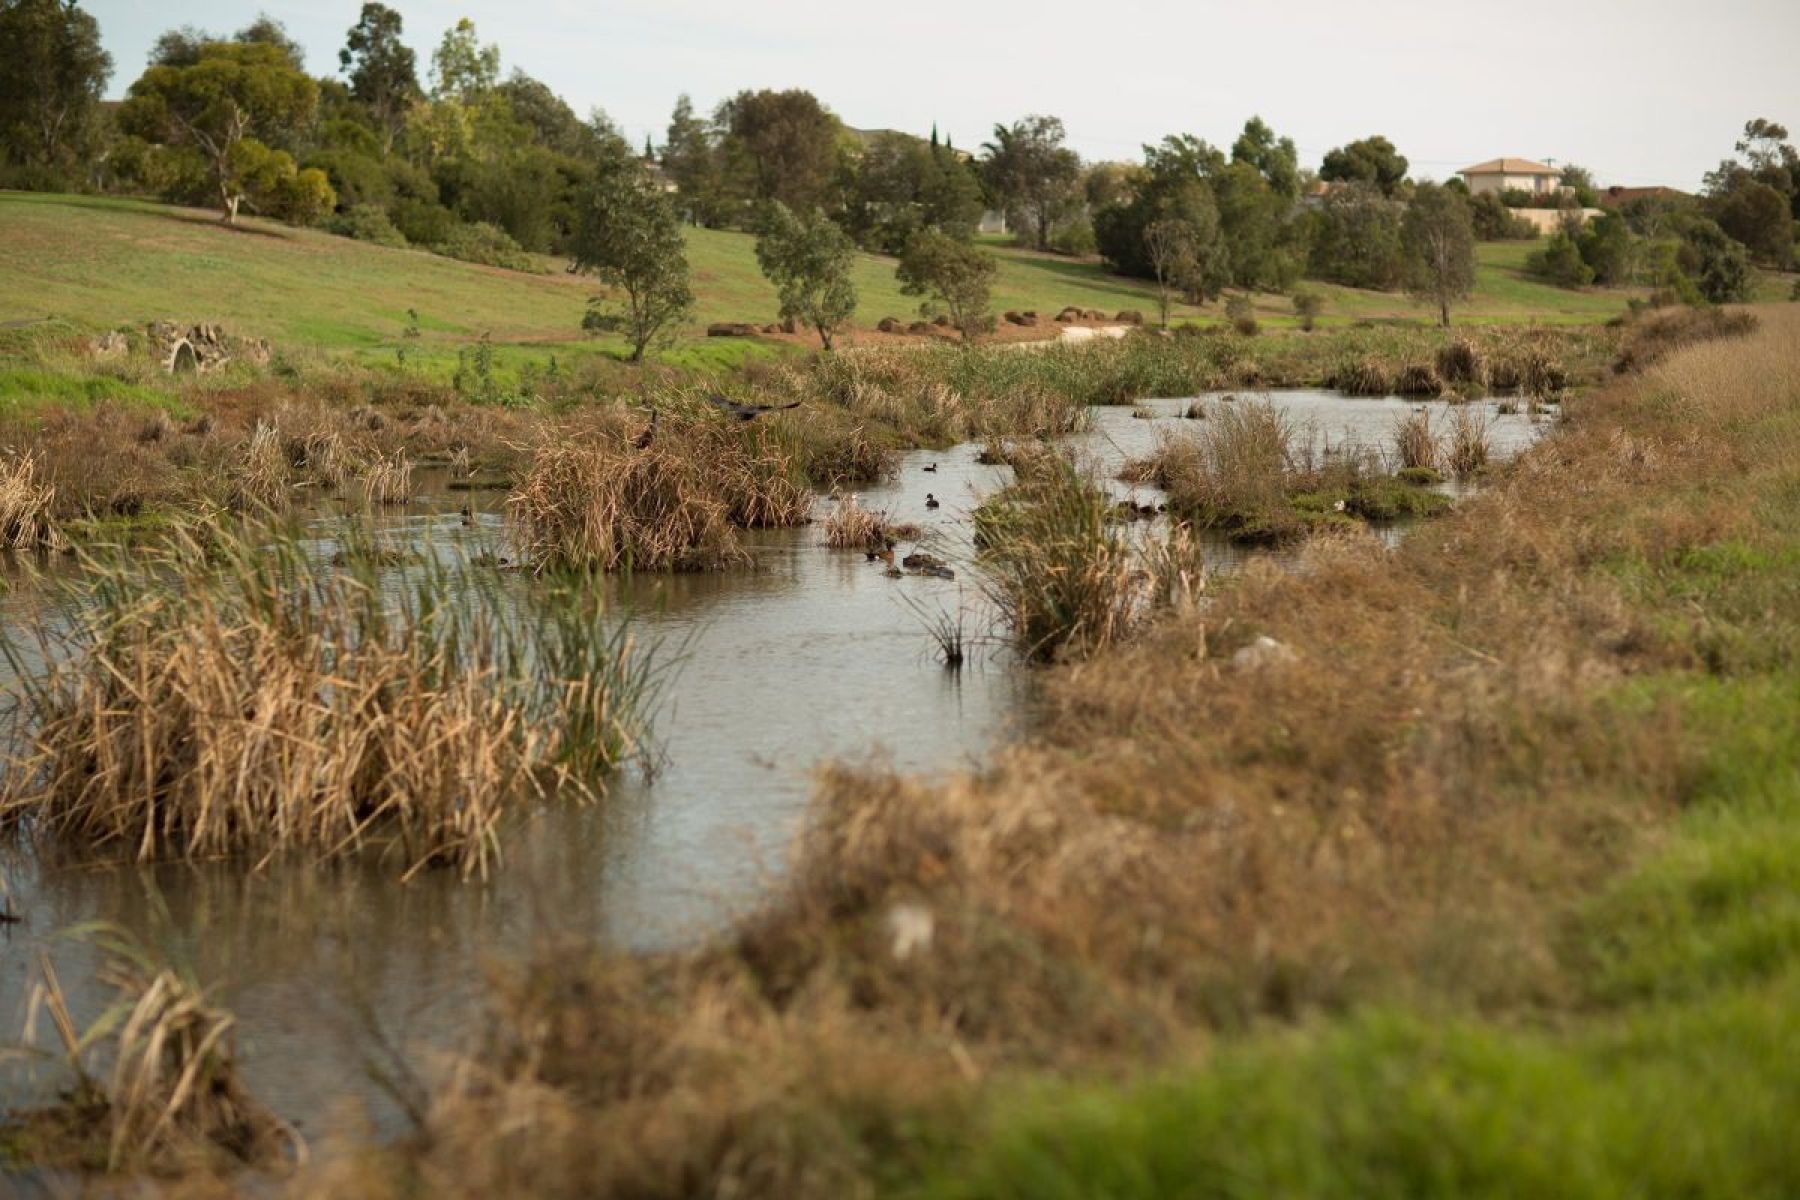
[
  {"x": 931, "y": 501},
  {"x": 468, "y": 517},
  {"x": 930, "y": 466}
]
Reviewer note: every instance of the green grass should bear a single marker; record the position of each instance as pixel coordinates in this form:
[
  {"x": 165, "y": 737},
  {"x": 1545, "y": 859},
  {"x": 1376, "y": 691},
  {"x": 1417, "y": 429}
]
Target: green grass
[
  {"x": 102, "y": 262},
  {"x": 23, "y": 388}
]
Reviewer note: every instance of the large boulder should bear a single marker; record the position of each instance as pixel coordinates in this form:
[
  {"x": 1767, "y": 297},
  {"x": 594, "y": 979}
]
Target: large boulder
[
  {"x": 1129, "y": 316},
  {"x": 730, "y": 329},
  {"x": 891, "y": 325},
  {"x": 1071, "y": 313}
]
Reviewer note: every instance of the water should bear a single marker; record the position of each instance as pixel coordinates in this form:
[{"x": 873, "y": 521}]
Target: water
[{"x": 814, "y": 655}]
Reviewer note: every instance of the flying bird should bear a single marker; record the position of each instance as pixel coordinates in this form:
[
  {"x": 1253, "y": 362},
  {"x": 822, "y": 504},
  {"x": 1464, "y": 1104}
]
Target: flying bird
[{"x": 746, "y": 412}]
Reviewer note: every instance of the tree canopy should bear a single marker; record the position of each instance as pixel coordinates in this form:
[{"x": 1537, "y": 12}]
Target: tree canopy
[
  {"x": 1033, "y": 174},
  {"x": 54, "y": 72},
  {"x": 1367, "y": 160},
  {"x": 1438, "y": 237},
  {"x": 628, "y": 235},
  {"x": 808, "y": 259}
]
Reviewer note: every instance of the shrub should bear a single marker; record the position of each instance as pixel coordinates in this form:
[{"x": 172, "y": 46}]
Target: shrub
[
  {"x": 1468, "y": 440},
  {"x": 367, "y": 223},
  {"x": 1414, "y": 442},
  {"x": 484, "y": 244},
  {"x": 1560, "y": 262},
  {"x": 1459, "y": 362},
  {"x": 1307, "y": 306},
  {"x": 1242, "y": 311}
]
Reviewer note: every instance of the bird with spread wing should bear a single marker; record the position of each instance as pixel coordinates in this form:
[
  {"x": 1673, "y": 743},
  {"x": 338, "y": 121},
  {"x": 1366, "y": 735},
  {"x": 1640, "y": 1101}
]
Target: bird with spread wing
[{"x": 746, "y": 412}]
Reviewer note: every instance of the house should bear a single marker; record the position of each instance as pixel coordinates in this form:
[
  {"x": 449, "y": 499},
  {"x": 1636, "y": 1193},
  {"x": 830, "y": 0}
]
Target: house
[
  {"x": 1507, "y": 174},
  {"x": 1618, "y": 197}
]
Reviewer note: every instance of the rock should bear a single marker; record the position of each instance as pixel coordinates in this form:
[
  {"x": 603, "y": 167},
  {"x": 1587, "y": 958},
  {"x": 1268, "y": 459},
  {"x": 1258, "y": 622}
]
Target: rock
[
  {"x": 1129, "y": 316},
  {"x": 1094, "y": 314},
  {"x": 772, "y": 329},
  {"x": 730, "y": 329},
  {"x": 1263, "y": 652},
  {"x": 891, "y": 325},
  {"x": 1069, "y": 314},
  {"x": 790, "y": 325},
  {"x": 919, "y": 327},
  {"x": 1030, "y": 315},
  {"x": 910, "y": 928},
  {"x": 1016, "y": 318},
  {"x": 941, "y": 321}
]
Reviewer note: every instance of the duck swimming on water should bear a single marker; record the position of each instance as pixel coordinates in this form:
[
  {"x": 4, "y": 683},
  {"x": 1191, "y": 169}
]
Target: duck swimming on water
[{"x": 931, "y": 501}]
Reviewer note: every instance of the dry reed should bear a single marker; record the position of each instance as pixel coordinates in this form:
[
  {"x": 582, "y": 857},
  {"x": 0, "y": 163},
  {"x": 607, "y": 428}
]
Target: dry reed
[
  {"x": 26, "y": 504},
  {"x": 235, "y": 697},
  {"x": 1468, "y": 450},
  {"x": 157, "y": 1071},
  {"x": 1414, "y": 442}
]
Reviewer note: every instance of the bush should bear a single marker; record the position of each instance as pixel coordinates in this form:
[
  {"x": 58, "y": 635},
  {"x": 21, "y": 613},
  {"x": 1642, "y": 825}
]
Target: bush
[
  {"x": 1495, "y": 222},
  {"x": 1076, "y": 238},
  {"x": 423, "y": 222},
  {"x": 1560, "y": 262},
  {"x": 367, "y": 223},
  {"x": 488, "y": 245},
  {"x": 1308, "y": 306},
  {"x": 1242, "y": 312}
]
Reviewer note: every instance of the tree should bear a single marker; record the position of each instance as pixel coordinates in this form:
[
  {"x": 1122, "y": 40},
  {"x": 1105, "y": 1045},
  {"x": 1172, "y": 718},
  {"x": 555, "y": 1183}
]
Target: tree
[
  {"x": 1758, "y": 216},
  {"x": 1370, "y": 160},
  {"x": 1033, "y": 174},
  {"x": 808, "y": 259},
  {"x": 54, "y": 73},
  {"x": 953, "y": 277},
  {"x": 691, "y": 158},
  {"x": 231, "y": 93},
  {"x": 780, "y": 146},
  {"x": 1276, "y": 158},
  {"x": 1172, "y": 246},
  {"x": 1439, "y": 242},
  {"x": 1712, "y": 259},
  {"x": 1494, "y": 222},
  {"x": 627, "y": 233},
  {"x": 383, "y": 71},
  {"x": 1356, "y": 238},
  {"x": 462, "y": 69},
  {"x": 1608, "y": 248}
]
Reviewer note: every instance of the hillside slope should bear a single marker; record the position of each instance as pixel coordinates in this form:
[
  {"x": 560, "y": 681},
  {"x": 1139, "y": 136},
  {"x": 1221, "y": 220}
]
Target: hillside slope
[{"x": 105, "y": 262}]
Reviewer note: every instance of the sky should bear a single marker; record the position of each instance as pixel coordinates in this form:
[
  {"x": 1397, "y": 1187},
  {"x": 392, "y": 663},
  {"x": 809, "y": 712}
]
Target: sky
[{"x": 1639, "y": 91}]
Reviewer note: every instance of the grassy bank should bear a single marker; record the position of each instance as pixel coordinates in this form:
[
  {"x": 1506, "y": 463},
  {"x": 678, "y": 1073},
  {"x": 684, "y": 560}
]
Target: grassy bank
[
  {"x": 1474, "y": 877},
  {"x": 101, "y": 263}
]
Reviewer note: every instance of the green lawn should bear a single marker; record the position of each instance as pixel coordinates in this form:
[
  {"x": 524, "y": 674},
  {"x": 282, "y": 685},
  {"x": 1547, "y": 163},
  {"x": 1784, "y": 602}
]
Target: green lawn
[{"x": 107, "y": 262}]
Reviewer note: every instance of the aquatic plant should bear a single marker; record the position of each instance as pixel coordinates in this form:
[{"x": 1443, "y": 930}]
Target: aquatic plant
[
  {"x": 227, "y": 695},
  {"x": 849, "y": 526},
  {"x": 1468, "y": 451},
  {"x": 388, "y": 480},
  {"x": 1414, "y": 442}
]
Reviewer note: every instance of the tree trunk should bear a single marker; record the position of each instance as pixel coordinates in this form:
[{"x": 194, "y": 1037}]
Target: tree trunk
[
  {"x": 825, "y": 337},
  {"x": 1444, "y": 311},
  {"x": 231, "y": 200}
]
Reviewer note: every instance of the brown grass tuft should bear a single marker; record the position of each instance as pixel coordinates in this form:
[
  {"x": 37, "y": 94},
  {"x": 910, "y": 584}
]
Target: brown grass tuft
[{"x": 25, "y": 506}]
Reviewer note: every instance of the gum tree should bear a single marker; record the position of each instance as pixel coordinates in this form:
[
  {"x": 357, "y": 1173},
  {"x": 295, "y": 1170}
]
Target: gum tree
[
  {"x": 228, "y": 103},
  {"x": 808, "y": 259},
  {"x": 1437, "y": 236},
  {"x": 953, "y": 277},
  {"x": 628, "y": 235}
]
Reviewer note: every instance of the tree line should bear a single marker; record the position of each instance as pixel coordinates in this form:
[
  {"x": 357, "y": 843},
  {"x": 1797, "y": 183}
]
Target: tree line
[{"x": 463, "y": 160}]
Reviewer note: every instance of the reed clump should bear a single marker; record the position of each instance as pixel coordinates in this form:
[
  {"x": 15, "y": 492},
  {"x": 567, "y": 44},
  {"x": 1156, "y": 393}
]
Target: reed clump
[
  {"x": 849, "y": 526},
  {"x": 388, "y": 480},
  {"x": 233, "y": 696},
  {"x": 1065, "y": 577},
  {"x": 1461, "y": 363},
  {"x": 1415, "y": 444},
  {"x": 601, "y": 502},
  {"x": 26, "y": 504},
  {"x": 259, "y": 478},
  {"x": 1468, "y": 450},
  {"x": 158, "y": 1084}
]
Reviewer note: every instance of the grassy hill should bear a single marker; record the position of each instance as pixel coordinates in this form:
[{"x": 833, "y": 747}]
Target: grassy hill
[{"x": 103, "y": 262}]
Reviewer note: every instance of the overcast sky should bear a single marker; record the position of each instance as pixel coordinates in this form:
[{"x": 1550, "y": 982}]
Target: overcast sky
[{"x": 1641, "y": 91}]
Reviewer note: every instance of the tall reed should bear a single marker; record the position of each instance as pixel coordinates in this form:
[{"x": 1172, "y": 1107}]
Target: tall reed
[
  {"x": 233, "y": 696},
  {"x": 1414, "y": 442}
]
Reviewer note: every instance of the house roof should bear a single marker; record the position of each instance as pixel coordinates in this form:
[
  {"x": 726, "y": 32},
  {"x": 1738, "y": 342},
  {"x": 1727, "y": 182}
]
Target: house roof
[{"x": 1508, "y": 166}]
